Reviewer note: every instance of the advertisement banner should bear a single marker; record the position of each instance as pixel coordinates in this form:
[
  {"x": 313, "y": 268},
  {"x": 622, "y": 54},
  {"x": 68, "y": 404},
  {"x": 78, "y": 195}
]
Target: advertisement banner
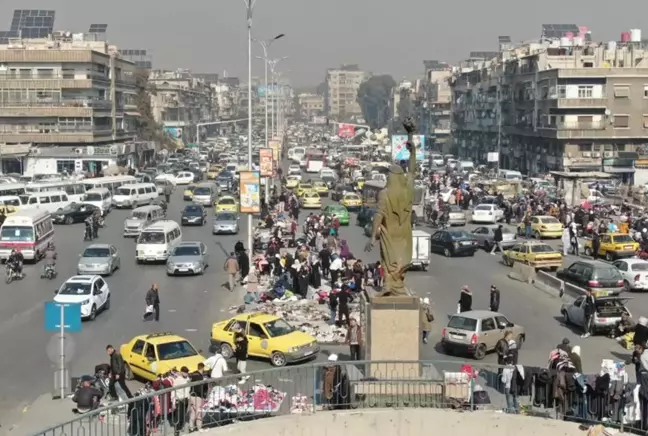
[
  {"x": 250, "y": 193},
  {"x": 265, "y": 161},
  {"x": 399, "y": 147},
  {"x": 275, "y": 146},
  {"x": 346, "y": 130}
]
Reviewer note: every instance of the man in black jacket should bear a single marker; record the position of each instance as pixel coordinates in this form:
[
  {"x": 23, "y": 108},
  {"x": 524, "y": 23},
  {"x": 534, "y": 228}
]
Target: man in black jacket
[
  {"x": 87, "y": 397},
  {"x": 494, "y": 299},
  {"x": 325, "y": 260},
  {"x": 117, "y": 373},
  {"x": 152, "y": 299},
  {"x": 589, "y": 308},
  {"x": 497, "y": 239}
]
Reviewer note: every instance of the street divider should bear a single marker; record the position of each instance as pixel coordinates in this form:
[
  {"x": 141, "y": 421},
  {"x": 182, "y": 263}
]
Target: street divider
[
  {"x": 523, "y": 273},
  {"x": 557, "y": 288}
]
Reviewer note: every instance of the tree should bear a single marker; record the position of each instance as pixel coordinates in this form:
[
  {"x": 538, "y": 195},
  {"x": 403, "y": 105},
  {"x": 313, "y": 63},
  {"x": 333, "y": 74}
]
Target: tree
[
  {"x": 321, "y": 88},
  {"x": 373, "y": 97},
  {"x": 147, "y": 128}
]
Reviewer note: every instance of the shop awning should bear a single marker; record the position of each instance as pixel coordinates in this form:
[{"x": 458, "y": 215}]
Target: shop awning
[
  {"x": 14, "y": 150},
  {"x": 132, "y": 114}
]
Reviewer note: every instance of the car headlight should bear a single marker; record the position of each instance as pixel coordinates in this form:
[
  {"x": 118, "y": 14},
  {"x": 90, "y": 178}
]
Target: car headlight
[
  {"x": 84, "y": 302},
  {"x": 292, "y": 349},
  {"x": 171, "y": 264}
]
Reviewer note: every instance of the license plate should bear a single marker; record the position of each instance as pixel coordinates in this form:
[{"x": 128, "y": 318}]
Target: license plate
[
  {"x": 466, "y": 243},
  {"x": 183, "y": 269},
  {"x": 308, "y": 353},
  {"x": 150, "y": 259},
  {"x": 457, "y": 337},
  {"x": 628, "y": 247}
]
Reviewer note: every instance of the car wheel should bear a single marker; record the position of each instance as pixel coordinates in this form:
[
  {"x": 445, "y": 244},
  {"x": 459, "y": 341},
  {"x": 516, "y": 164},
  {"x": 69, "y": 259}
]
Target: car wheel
[
  {"x": 226, "y": 351},
  {"x": 609, "y": 256},
  {"x": 446, "y": 349},
  {"x": 69, "y": 220},
  {"x": 93, "y": 313},
  {"x": 480, "y": 352},
  {"x": 565, "y": 315},
  {"x": 537, "y": 235},
  {"x": 278, "y": 359},
  {"x": 519, "y": 341},
  {"x": 447, "y": 252},
  {"x": 626, "y": 286},
  {"x": 588, "y": 251},
  {"x": 128, "y": 373},
  {"x": 107, "y": 304},
  {"x": 487, "y": 246}
]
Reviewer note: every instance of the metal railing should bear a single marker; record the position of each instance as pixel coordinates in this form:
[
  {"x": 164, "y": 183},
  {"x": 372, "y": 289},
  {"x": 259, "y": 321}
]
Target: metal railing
[{"x": 315, "y": 388}]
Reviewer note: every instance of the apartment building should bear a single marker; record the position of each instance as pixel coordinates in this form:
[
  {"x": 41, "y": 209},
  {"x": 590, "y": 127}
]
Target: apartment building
[
  {"x": 435, "y": 103},
  {"x": 341, "y": 101},
  {"x": 67, "y": 103},
  {"x": 180, "y": 103},
  {"x": 560, "y": 104},
  {"x": 311, "y": 105}
]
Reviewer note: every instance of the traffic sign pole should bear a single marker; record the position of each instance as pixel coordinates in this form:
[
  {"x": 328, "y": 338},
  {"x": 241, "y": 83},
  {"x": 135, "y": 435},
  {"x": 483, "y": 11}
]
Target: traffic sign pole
[
  {"x": 62, "y": 357},
  {"x": 62, "y": 318}
]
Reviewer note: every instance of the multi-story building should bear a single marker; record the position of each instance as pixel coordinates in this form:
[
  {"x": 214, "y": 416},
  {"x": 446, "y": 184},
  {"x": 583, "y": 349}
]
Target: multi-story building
[
  {"x": 67, "y": 104},
  {"x": 559, "y": 104},
  {"x": 341, "y": 100},
  {"x": 311, "y": 105},
  {"x": 180, "y": 103},
  {"x": 435, "y": 103}
]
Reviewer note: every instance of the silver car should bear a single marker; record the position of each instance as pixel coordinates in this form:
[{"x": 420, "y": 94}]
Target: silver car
[
  {"x": 457, "y": 216},
  {"x": 99, "y": 259},
  {"x": 485, "y": 236},
  {"x": 188, "y": 258},
  {"x": 225, "y": 222}
]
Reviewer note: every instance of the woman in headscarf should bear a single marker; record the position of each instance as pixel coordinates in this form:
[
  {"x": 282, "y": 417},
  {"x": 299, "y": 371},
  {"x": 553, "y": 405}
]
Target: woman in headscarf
[
  {"x": 344, "y": 250},
  {"x": 315, "y": 275},
  {"x": 465, "y": 300},
  {"x": 303, "y": 275},
  {"x": 294, "y": 275}
]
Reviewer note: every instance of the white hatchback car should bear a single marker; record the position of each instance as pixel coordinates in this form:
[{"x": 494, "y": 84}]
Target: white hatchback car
[
  {"x": 634, "y": 272},
  {"x": 487, "y": 213},
  {"x": 91, "y": 292},
  {"x": 184, "y": 178}
]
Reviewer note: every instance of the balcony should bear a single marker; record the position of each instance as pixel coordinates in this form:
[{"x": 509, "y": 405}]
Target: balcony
[
  {"x": 81, "y": 80},
  {"x": 579, "y": 103},
  {"x": 601, "y": 72},
  {"x": 59, "y": 108},
  {"x": 55, "y": 134},
  {"x": 575, "y": 130}
]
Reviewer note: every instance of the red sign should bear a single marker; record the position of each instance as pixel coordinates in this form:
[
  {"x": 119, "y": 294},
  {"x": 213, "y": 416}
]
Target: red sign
[{"x": 346, "y": 130}]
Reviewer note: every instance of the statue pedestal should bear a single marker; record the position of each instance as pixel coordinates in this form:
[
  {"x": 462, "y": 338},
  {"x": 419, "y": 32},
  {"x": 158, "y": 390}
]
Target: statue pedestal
[{"x": 393, "y": 333}]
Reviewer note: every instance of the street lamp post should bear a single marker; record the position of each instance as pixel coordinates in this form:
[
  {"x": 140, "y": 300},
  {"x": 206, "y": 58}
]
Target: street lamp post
[
  {"x": 249, "y": 6},
  {"x": 273, "y": 63}
]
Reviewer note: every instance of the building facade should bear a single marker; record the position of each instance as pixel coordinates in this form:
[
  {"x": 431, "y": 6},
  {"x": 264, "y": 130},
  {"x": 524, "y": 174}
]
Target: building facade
[
  {"x": 562, "y": 104},
  {"x": 67, "y": 104},
  {"x": 312, "y": 105},
  {"x": 435, "y": 104},
  {"x": 181, "y": 102},
  {"x": 341, "y": 101}
]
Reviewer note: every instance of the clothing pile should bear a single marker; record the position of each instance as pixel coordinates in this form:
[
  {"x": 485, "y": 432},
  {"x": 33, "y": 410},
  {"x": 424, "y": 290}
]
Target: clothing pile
[
  {"x": 299, "y": 405},
  {"x": 230, "y": 399}
]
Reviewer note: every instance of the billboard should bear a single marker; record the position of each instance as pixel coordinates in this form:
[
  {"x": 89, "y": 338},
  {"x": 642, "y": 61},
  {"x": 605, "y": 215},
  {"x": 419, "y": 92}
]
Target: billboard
[
  {"x": 265, "y": 161},
  {"x": 249, "y": 192},
  {"x": 400, "y": 151},
  {"x": 346, "y": 130},
  {"x": 174, "y": 132},
  {"x": 272, "y": 90},
  {"x": 276, "y": 147}
]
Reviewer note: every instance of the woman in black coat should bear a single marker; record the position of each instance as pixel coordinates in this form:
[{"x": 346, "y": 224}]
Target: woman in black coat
[{"x": 465, "y": 300}]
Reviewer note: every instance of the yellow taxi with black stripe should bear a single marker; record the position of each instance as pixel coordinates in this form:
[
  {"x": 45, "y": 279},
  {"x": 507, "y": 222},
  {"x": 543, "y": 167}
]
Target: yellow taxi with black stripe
[
  {"x": 292, "y": 182},
  {"x": 226, "y": 204},
  {"x": 303, "y": 187},
  {"x": 614, "y": 246},
  {"x": 543, "y": 226},
  {"x": 321, "y": 188},
  {"x": 213, "y": 172},
  {"x": 359, "y": 183},
  {"x": 188, "y": 192},
  {"x": 351, "y": 201},
  {"x": 310, "y": 200}
]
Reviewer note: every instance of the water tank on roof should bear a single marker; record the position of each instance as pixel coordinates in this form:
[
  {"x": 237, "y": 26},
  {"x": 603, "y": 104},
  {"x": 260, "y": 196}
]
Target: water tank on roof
[
  {"x": 578, "y": 41},
  {"x": 611, "y": 45},
  {"x": 635, "y": 35},
  {"x": 625, "y": 36},
  {"x": 565, "y": 42}
]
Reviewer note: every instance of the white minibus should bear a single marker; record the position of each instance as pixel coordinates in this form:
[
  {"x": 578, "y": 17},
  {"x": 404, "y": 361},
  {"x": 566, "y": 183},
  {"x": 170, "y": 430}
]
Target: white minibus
[
  {"x": 51, "y": 201},
  {"x": 29, "y": 230},
  {"x": 111, "y": 182},
  {"x": 138, "y": 194},
  {"x": 156, "y": 241}
]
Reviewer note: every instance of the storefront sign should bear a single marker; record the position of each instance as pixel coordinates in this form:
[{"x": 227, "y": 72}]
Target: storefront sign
[
  {"x": 276, "y": 148},
  {"x": 250, "y": 197},
  {"x": 266, "y": 157}
]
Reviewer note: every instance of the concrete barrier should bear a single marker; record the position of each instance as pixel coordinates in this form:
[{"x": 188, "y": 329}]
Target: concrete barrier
[
  {"x": 523, "y": 273},
  {"x": 557, "y": 288},
  {"x": 573, "y": 291}
]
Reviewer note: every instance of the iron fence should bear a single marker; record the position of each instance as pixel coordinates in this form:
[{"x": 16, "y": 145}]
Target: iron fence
[{"x": 314, "y": 388}]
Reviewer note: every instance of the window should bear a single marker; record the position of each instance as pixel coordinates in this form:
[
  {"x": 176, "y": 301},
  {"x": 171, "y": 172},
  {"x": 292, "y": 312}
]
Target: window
[
  {"x": 645, "y": 121},
  {"x": 65, "y": 166},
  {"x": 241, "y": 324},
  {"x": 622, "y": 91},
  {"x": 257, "y": 331},
  {"x": 502, "y": 321},
  {"x": 621, "y": 121},
  {"x": 584, "y": 147},
  {"x": 488, "y": 324},
  {"x": 33, "y": 200},
  {"x": 44, "y": 200},
  {"x": 585, "y": 91},
  {"x": 138, "y": 347},
  {"x": 622, "y": 266},
  {"x": 56, "y": 198},
  {"x": 645, "y": 91},
  {"x": 141, "y": 191}
]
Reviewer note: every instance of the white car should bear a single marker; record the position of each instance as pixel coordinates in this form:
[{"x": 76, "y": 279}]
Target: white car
[
  {"x": 169, "y": 177},
  {"x": 634, "y": 273},
  {"x": 90, "y": 291},
  {"x": 184, "y": 178},
  {"x": 487, "y": 213},
  {"x": 294, "y": 169}
]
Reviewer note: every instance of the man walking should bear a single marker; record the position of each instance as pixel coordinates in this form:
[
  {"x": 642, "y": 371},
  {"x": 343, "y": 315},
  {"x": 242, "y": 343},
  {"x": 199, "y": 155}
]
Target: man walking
[
  {"x": 152, "y": 302},
  {"x": 497, "y": 239},
  {"x": 494, "y": 299},
  {"x": 117, "y": 373},
  {"x": 231, "y": 268}
]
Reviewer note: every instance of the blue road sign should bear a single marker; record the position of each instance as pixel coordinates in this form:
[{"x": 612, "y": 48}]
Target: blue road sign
[{"x": 70, "y": 317}]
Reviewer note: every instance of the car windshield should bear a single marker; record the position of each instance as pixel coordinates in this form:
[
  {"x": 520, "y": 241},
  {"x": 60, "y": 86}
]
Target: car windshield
[
  {"x": 123, "y": 191},
  {"x": 175, "y": 350},
  {"x": 93, "y": 197},
  {"x": 186, "y": 251},
  {"x": 622, "y": 238},
  {"x": 138, "y": 215},
  {"x": 202, "y": 191},
  {"x": 227, "y": 201},
  {"x": 225, "y": 175},
  {"x": 606, "y": 274},
  {"x": 543, "y": 248},
  {"x": 17, "y": 234},
  {"x": 151, "y": 238},
  {"x": 278, "y": 327},
  {"x": 305, "y": 186},
  {"x": 463, "y": 323},
  {"x": 71, "y": 288},
  {"x": 96, "y": 252},
  {"x": 11, "y": 202},
  {"x": 484, "y": 207},
  {"x": 193, "y": 210},
  {"x": 549, "y": 220},
  {"x": 352, "y": 197},
  {"x": 642, "y": 266},
  {"x": 459, "y": 235},
  {"x": 225, "y": 217},
  {"x": 455, "y": 209},
  {"x": 336, "y": 209}
]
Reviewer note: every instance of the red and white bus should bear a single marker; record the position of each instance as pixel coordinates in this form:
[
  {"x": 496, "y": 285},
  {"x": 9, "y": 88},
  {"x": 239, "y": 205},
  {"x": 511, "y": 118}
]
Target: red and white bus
[
  {"x": 315, "y": 161},
  {"x": 29, "y": 230}
]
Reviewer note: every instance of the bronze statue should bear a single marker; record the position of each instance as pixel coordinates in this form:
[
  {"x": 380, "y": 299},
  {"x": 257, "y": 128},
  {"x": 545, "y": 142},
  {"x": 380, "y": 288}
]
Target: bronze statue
[{"x": 392, "y": 223}]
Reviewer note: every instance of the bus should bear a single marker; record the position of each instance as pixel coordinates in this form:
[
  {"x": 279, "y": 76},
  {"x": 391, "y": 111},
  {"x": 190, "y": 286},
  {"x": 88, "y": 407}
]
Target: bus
[
  {"x": 372, "y": 188},
  {"x": 12, "y": 189},
  {"x": 111, "y": 182},
  {"x": 74, "y": 189},
  {"x": 315, "y": 161},
  {"x": 30, "y": 230}
]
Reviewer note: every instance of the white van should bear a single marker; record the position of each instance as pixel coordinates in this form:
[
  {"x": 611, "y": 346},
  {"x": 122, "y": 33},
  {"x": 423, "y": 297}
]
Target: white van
[
  {"x": 205, "y": 194},
  {"x": 99, "y": 197},
  {"x": 13, "y": 200},
  {"x": 467, "y": 166},
  {"x": 140, "y": 218},
  {"x": 298, "y": 154},
  {"x": 510, "y": 175},
  {"x": 74, "y": 189},
  {"x": 134, "y": 195},
  {"x": 29, "y": 230},
  {"x": 155, "y": 242},
  {"x": 51, "y": 201}
]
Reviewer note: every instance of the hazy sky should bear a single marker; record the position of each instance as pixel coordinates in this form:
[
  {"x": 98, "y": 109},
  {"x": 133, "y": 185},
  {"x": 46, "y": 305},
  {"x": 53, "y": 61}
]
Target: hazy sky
[{"x": 210, "y": 36}]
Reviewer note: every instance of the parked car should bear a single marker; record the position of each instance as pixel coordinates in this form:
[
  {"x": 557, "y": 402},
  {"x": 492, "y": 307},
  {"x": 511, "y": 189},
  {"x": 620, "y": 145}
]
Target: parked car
[{"x": 608, "y": 312}]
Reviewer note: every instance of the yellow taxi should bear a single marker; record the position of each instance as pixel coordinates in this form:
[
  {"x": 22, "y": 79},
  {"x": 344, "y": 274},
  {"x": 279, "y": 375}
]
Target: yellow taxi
[
  {"x": 226, "y": 204},
  {"x": 8, "y": 209},
  {"x": 533, "y": 253},
  {"x": 321, "y": 188},
  {"x": 213, "y": 172},
  {"x": 187, "y": 194},
  {"x": 292, "y": 181},
  {"x": 614, "y": 246},
  {"x": 148, "y": 356},
  {"x": 311, "y": 200},
  {"x": 359, "y": 183},
  {"x": 269, "y": 337},
  {"x": 351, "y": 201},
  {"x": 303, "y": 187},
  {"x": 543, "y": 226}
]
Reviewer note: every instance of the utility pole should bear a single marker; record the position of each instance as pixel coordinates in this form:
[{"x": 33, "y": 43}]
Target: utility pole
[{"x": 499, "y": 123}]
